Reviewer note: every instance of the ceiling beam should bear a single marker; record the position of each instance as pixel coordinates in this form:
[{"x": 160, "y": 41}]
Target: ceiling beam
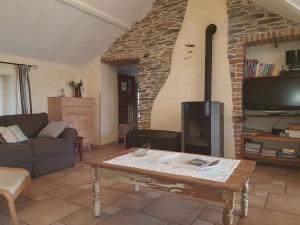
[{"x": 97, "y": 13}]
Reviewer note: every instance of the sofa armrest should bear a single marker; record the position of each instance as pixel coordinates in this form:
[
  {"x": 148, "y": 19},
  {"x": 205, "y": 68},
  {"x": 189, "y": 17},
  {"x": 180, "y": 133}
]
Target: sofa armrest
[{"x": 71, "y": 136}]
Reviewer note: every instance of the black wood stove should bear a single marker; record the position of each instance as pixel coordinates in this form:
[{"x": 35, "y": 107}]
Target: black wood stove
[{"x": 203, "y": 122}]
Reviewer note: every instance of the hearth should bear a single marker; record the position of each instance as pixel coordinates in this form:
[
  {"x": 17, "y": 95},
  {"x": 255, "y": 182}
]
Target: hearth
[{"x": 203, "y": 122}]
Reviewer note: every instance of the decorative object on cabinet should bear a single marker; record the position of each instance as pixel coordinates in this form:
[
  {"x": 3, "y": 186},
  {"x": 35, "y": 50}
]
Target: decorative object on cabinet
[
  {"x": 77, "y": 86},
  {"x": 79, "y": 113}
]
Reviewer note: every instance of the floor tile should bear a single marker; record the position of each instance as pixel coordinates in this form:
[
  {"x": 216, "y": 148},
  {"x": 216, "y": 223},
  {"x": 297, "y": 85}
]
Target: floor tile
[
  {"x": 278, "y": 182},
  {"x": 257, "y": 201},
  {"x": 86, "y": 186},
  {"x": 107, "y": 182},
  {"x": 287, "y": 177},
  {"x": 47, "y": 212},
  {"x": 259, "y": 216},
  {"x": 43, "y": 185},
  {"x": 76, "y": 178},
  {"x": 215, "y": 215},
  {"x": 126, "y": 217},
  {"x": 174, "y": 209},
  {"x": 85, "y": 198},
  {"x": 133, "y": 202},
  {"x": 5, "y": 220},
  {"x": 283, "y": 203},
  {"x": 260, "y": 193},
  {"x": 41, "y": 197},
  {"x": 202, "y": 222},
  {"x": 271, "y": 188},
  {"x": 261, "y": 176},
  {"x": 153, "y": 194},
  {"x": 56, "y": 175},
  {"x": 293, "y": 189},
  {"x": 111, "y": 209},
  {"x": 120, "y": 186},
  {"x": 20, "y": 203},
  {"x": 83, "y": 217},
  {"x": 84, "y": 168},
  {"x": 65, "y": 191}
]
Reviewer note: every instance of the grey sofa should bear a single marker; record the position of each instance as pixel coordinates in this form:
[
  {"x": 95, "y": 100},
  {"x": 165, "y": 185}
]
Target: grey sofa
[{"x": 39, "y": 155}]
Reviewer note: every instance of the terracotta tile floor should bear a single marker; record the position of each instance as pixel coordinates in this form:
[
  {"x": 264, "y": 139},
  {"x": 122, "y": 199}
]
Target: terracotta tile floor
[{"x": 65, "y": 198}]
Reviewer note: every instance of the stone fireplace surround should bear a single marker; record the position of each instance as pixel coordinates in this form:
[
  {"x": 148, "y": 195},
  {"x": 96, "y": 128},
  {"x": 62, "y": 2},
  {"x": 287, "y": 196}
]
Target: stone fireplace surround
[{"x": 150, "y": 43}]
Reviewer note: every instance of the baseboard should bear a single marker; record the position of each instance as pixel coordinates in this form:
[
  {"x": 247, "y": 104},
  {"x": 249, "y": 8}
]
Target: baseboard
[{"x": 112, "y": 144}]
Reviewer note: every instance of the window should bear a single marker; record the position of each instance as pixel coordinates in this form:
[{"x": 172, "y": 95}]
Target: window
[{"x": 8, "y": 91}]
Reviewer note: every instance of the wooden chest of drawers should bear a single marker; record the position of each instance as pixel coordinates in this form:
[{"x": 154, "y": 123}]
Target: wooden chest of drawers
[{"x": 79, "y": 113}]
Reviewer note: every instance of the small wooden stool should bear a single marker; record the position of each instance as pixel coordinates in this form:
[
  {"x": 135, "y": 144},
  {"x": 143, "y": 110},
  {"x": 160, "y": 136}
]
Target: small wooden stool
[{"x": 13, "y": 181}]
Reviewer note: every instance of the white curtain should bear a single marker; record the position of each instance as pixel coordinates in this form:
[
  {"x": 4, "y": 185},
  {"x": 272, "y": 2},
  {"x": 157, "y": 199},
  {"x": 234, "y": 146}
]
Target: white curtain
[{"x": 9, "y": 91}]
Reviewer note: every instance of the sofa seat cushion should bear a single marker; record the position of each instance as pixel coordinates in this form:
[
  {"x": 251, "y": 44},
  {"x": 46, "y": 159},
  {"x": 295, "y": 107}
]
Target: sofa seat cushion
[
  {"x": 47, "y": 146},
  {"x": 18, "y": 152}
]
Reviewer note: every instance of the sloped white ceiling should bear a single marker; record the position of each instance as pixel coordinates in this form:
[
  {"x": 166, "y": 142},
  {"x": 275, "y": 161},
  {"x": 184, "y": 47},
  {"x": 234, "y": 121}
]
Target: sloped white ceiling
[
  {"x": 60, "y": 31},
  {"x": 281, "y": 7}
]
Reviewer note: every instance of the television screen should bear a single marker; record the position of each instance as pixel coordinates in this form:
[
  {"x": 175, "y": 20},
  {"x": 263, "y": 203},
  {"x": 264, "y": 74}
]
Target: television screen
[{"x": 272, "y": 93}]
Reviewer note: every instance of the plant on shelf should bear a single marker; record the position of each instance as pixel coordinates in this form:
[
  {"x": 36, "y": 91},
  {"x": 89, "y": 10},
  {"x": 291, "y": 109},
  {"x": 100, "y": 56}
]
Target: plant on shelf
[{"x": 77, "y": 86}]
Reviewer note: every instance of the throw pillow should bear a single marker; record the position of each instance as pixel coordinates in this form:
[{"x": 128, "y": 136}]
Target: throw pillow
[
  {"x": 53, "y": 129},
  {"x": 8, "y": 135},
  {"x": 12, "y": 134},
  {"x": 2, "y": 140},
  {"x": 18, "y": 133}
]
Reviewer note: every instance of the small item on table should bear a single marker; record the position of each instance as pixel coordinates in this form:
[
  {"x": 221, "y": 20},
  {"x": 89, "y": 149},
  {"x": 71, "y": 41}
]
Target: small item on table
[
  {"x": 202, "y": 163},
  {"x": 141, "y": 152}
]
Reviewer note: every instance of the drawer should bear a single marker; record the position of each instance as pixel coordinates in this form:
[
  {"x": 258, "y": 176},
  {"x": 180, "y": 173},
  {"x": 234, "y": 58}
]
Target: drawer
[
  {"x": 78, "y": 102},
  {"x": 78, "y": 111}
]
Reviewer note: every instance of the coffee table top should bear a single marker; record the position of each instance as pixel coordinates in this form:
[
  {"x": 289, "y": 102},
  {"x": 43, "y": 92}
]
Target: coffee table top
[{"x": 226, "y": 174}]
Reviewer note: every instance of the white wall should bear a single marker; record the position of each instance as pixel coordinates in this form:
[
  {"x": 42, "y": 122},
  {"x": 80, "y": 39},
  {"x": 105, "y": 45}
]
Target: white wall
[
  {"x": 269, "y": 54},
  {"x": 102, "y": 82},
  {"x": 46, "y": 80},
  {"x": 109, "y": 103},
  {"x": 186, "y": 79}
]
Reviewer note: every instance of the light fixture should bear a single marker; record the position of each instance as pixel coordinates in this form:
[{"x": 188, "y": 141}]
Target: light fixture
[{"x": 294, "y": 3}]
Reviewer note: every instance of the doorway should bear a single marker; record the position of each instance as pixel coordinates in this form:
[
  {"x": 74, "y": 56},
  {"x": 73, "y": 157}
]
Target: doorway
[{"x": 127, "y": 99}]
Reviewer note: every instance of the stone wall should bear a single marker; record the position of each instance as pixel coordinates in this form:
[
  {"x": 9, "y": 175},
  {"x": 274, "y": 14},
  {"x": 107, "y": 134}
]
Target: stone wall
[
  {"x": 150, "y": 43},
  {"x": 250, "y": 24}
]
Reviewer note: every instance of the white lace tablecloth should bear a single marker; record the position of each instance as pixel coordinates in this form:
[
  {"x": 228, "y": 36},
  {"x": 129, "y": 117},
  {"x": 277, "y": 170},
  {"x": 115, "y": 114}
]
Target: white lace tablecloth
[{"x": 176, "y": 163}]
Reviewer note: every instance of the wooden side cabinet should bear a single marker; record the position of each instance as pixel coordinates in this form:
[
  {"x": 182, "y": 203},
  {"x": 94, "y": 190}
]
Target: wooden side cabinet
[{"x": 79, "y": 113}]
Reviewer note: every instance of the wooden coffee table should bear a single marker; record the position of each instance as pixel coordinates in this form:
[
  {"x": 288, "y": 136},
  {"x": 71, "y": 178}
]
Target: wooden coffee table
[{"x": 219, "y": 191}]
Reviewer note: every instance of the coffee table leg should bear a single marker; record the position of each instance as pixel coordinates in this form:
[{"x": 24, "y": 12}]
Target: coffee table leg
[
  {"x": 136, "y": 188},
  {"x": 244, "y": 201},
  {"x": 96, "y": 184},
  {"x": 228, "y": 199}
]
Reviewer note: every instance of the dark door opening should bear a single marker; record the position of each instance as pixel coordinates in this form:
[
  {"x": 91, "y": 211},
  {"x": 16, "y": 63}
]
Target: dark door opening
[{"x": 128, "y": 99}]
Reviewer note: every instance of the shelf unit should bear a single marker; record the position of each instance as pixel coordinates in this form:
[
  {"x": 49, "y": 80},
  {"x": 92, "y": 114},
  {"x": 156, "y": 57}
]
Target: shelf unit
[
  {"x": 271, "y": 159},
  {"x": 271, "y": 116}
]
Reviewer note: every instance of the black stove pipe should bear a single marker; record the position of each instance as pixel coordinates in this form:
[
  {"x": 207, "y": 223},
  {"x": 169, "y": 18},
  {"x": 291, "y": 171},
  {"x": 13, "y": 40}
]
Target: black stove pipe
[{"x": 210, "y": 31}]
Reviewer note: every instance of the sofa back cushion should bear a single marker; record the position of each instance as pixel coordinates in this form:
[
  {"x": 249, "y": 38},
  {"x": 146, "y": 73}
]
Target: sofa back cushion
[
  {"x": 30, "y": 124},
  {"x": 2, "y": 121}
]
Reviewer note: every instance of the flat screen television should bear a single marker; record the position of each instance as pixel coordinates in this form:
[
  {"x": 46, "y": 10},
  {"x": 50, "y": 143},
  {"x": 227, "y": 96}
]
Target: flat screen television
[{"x": 272, "y": 93}]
